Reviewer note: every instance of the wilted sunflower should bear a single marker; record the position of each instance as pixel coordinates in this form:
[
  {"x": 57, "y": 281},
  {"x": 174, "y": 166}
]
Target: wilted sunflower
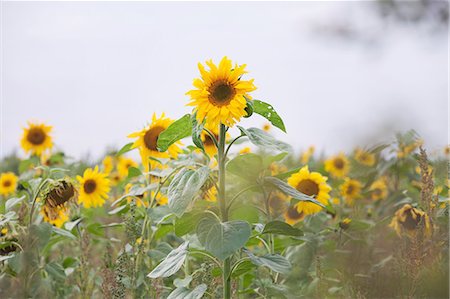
[
  {"x": 293, "y": 215},
  {"x": 56, "y": 199},
  {"x": 350, "y": 190},
  {"x": 378, "y": 189},
  {"x": 8, "y": 183},
  {"x": 123, "y": 165},
  {"x": 36, "y": 138},
  {"x": 364, "y": 157},
  {"x": 148, "y": 138},
  {"x": 410, "y": 221},
  {"x": 94, "y": 188},
  {"x": 220, "y": 93},
  {"x": 56, "y": 217},
  {"x": 337, "y": 166},
  {"x": 312, "y": 184}
]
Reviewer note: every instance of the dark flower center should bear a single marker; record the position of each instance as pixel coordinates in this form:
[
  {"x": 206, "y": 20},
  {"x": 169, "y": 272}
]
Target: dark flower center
[
  {"x": 350, "y": 189},
  {"x": 36, "y": 136},
  {"x": 293, "y": 213},
  {"x": 221, "y": 93},
  {"x": 338, "y": 163},
  {"x": 7, "y": 183},
  {"x": 410, "y": 223},
  {"x": 308, "y": 187},
  {"x": 151, "y": 137},
  {"x": 89, "y": 186},
  {"x": 61, "y": 194}
]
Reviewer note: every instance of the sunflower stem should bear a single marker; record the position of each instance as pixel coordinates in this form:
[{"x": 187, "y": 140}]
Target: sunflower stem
[{"x": 226, "y": 277}]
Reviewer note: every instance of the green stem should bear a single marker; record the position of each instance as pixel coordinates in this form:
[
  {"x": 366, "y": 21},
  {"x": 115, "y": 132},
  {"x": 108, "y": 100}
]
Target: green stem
[{"x": 226, "y": 277}]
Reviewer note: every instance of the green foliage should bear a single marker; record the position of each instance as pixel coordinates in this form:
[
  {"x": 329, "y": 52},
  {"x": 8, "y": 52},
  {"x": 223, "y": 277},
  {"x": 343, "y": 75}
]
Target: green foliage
[
  {"x": 267, "y": 111},
  {"x": 179, "y": 129},
  {"x": 172, "y": 263}
]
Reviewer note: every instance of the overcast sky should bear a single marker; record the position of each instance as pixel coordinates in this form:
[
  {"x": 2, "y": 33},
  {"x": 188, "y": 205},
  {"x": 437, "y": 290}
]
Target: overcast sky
[{"x": 97, "y": 71}]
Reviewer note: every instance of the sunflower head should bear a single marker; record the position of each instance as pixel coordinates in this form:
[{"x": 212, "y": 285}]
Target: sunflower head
[
  {"x": 60, "y": 193},
  {"x": 245, "y": 150},
  {"x": 312, "y": 184},
  {"x": 8, "y": 183},
  {"x": 293, "y": 215},
  {"x": 55, "y": 216},
  {"x": 36, "y": 138},
  {"x": 220, "y": 93},
  {"x": 123, "y": 165},
  {"x": 350, "y": 190},
  {"x": 147, "y": 140},
  {"x": 409, "y": 221},
  {"x": 306, "y": 155},
  {"x": 378, "y": 189},
  {"x": 337, "y": 166},
  {"x": 108, "y": 164},
  {"x": 345, "y": 223},
  {"x": 94, "y": 188},
  {"x": 266, "y": 127},
  {"x": 364, "y": 157},
  {"x": 278, "y": 202}
]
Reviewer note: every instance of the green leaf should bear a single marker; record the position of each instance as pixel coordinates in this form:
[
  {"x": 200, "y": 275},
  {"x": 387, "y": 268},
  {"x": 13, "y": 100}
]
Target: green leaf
[
  {"x": 133, "y": 172},
  {"x": 281, "y": 228},
  {"x": 186, "y": 223},
  {"x": 222, "y": 239},
  {"x": 56, "y": 271},
  {"x": 126, "y": 148},
  {"x": 275, "y": 262},
  {"x": 42, "y": 233},
  {"x": 242, "y": 267},
  {"x": 172, "y": 263},
  {"x": 266, "y": 110},
  {"x": 179, "y": 129},
  {"x": 185, "y": 293},
  {"x": 288, "y": 190},
  {"x": 197, "y": 129},
  {"x": 261, "y": 139},
  {"x": 270, "y": 159},
  {"x": 10, "y": 203},
  {"x": 64, "y": 233},
  {"x": 247, "y": 166},
  {"x": 184, "y": 186}
]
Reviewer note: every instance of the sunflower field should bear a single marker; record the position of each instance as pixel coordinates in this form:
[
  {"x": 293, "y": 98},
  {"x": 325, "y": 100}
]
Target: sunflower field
[{"x": 216, "y": 210}]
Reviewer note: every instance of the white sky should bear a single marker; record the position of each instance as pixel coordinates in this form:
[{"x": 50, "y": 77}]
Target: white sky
[{"x": 97, "y": 71}]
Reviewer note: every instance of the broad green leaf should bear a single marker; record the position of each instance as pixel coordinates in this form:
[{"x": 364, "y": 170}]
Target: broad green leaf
[
  {"x": 222, "y": 239},
  {"x": 10, "y": 203},
  {"x": 172, "y": 263},
  {"x": 63, "y": 232},
  {"x": 134, "y": 172},
  {"x": 163, "y": 230},
  {"x": 248, "y": 166},
  {"x": 265, "y": 141},
  {"x": 42, "y": 233},
  {"x": 186, "y": 223},
  {"x": 288, "y": 190},
  {"x": 266, "y": 110},
  {"x": 179, "y": 129},
  {"x": 270, "y": 159},
  {"x": 275, "y": 262},
  {"x": 281, "y": 228},
  {"x": 185, "y": 293},
  {"x": 197, "y": 129},
  {"x": 242, "y": 268},
  {"x": 126, "y": 148},
  {"x": 182, "y": 283},
  {"x": 56, "y": 271},
  {"x": 184, "y": 186}
]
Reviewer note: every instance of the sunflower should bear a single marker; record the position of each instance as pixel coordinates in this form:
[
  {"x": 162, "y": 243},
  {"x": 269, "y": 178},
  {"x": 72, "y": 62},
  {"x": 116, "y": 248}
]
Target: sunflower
[
  {"x": 56, "y": 199},
  {"x": 345, "y": 223},
  {"x": 409, "y": 221},
  {"x": 276, "y": 168},
  {"x": 364, "y": 157},
  {"x": 123, "y": 165},
  {"x": 8, "y": 183},
  {"x": 108, "y": 164},
  {"x": 293, "y": 215},
  {"x": 161, "y": 199},
  {"x": 94, "y": 188},
  {"x": 115, "y": 178},
  {"x": 306, "y": 156},
  {"x": 266, "y": 127},
  {"x": 312, "y": 184},
  {"x": 379, "y": 189},
  {"x": 140, "y": 199},
  {"x": 337, "y": 166},
  {"x": 350, "y": 190},
  {"x": 245, "y": 150},
  {"x": 56, "y": 217},
  {"x": 220, "y": 93},
  {"x": 278, "y": 202},
  {"x": 405, "y": 149},
  {"x": 36, "y": 138},
  {"x": 147, "y": 139},
  {"x": 208, "y": 143}
]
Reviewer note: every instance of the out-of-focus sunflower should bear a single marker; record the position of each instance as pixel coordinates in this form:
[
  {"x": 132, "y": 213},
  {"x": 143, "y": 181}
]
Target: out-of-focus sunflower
[
  {"x": 56, "y": 217},
  {"x": 266, "y": 127},
  {"x": 409, "y": 221},
  {"x": 36, "y": 138},
  {"x": 337, "y": 166},
  {"x": 141, "y": 200},
  {"x": 306, "y": 155},
  {"x": 447, "y": 150},
  {"x": 220, "y": 93},
  {"x": 123, "y": 165},
  {"x": 312, "y": 184},
  {"x": 364, "y": 157},
  {"x": 405, "y": 149},
  {"x": 209, "y": 191},
  {"x": 8, "y": 183},
  {"x": 378, "y": 189},
  {"x": 208, "y": 143},
  {"x": 108, "y": 164},
  {"x": 293, "y": 215},
  {"x": 278, "y": 203},
  {"x": 148, "y": 138},
  {"x": 350, "y": 190},
  {"x": 94, "y": 188},
  {"x": 161, "y": 199},
  {"x": 245, "y": 150},
  {"x": 345, "y": 223},
  {"x": 276, "y": 168},
  {"x": 114, "y": 178}
]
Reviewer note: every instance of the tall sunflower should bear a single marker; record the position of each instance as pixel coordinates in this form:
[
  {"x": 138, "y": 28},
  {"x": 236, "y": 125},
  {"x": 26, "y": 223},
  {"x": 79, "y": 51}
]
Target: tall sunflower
[
  {"x": 8, "y": 183},
  {"x": 147, "y": 139},
  {"x": 312, "y": 184},
  {"x": 337, "y": 166},
  {"x": 94, "y": 188},
  {"x": 36, "y": 138},
  {"x": 220, "y": 93}
]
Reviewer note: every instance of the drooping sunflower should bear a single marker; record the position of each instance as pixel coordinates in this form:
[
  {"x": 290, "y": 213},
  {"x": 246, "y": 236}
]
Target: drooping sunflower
[
  {"x": 123, "y": 165},
  {"x": 293, "y": 215},
  {"x": 350, "y": 190},
  {"x": 378, "y": 189},
  {"x": 364, "y": 157},
  {"x": 36, "y": 138},
  {"x": 147, "y": 140},
  {"x": 56, "y": 200},
  {"x": 312, "y": 184},
  {"x": 410, "y": 221},
  {"x": 220, "y": 93},
  {"x": 8, "y": 183},
  {"x": 337, "y": 166},
  {"x": 94, "y": 188}
]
